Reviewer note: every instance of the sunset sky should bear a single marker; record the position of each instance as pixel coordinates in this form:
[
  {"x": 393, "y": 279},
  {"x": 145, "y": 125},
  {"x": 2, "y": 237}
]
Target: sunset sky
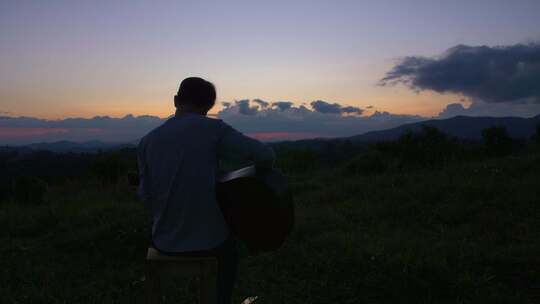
[{"x": 62, "y": 59}]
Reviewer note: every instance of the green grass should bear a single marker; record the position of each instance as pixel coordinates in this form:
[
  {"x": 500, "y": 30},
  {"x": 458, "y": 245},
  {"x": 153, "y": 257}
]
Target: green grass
[{"x": 460, "y": 233}]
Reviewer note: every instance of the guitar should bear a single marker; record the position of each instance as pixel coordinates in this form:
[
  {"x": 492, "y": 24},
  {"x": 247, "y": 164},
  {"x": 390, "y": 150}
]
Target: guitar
[
  {"x": 258, "y": 207},
  {"x": 256, "y": 204}
]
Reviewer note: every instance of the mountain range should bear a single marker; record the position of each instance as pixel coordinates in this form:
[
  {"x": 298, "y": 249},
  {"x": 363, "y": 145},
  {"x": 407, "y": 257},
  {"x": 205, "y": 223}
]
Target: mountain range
[
  {"x": 65, "y": 146},
  {"x": 462, "y": 127}
]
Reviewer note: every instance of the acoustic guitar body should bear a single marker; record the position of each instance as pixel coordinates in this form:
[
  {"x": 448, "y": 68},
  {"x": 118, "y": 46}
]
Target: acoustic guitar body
[{"x": 258, "y": 207}]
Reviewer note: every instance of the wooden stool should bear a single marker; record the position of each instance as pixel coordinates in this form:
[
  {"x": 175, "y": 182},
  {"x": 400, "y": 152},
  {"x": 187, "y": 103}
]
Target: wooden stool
[{"x": 203, "y": 267}]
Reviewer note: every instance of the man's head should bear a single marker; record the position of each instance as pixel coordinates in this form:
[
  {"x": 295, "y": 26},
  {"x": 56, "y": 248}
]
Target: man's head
[{"x": 195, "y": 95}]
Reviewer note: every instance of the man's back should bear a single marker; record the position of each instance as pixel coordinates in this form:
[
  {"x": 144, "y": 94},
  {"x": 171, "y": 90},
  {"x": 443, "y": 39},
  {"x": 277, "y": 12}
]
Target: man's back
[{"x": 179, "y": 163}]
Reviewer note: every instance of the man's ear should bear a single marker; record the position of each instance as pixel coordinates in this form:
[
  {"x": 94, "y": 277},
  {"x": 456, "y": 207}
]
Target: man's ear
[{"x": 176, "y": 101}]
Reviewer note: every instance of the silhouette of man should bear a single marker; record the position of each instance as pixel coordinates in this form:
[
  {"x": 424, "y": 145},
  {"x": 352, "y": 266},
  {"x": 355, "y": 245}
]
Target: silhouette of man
[{"x": 178, "y": 164}]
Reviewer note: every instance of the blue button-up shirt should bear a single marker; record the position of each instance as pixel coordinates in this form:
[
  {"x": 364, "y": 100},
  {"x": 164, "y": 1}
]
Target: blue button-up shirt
[{"x": 178, "y": 165}]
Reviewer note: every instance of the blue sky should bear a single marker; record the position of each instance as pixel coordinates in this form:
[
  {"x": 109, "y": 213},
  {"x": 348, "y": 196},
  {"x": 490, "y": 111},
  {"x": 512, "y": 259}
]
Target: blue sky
[{"x": 85, "y": 58}]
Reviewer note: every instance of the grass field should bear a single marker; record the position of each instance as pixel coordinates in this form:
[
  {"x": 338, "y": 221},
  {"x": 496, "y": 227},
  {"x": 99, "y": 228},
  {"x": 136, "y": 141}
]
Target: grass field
[{"x": 465, "y": 232}]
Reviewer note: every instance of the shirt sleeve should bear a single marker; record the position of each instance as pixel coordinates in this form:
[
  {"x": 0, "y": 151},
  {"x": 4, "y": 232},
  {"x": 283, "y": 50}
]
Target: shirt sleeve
[
  {"x": 234, "y": 144},
  {"x": 143, "y": 190}
]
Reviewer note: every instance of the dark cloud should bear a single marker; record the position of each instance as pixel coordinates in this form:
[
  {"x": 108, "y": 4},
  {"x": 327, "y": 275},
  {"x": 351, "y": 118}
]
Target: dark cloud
[
  {"x": 334, "y": 108},
  {"x": 352, "y": 110},
  {"x": 488, "y": 74},
  {"x": 284, "y": 118},
  {"x": 245, "y": 108},
  {"x": 261, "y": 103},
  {"x": 325, "y": 107},
  {"x": 502, "y": 109},
  {"x": 453, "y": 109},
  {"x": 282, "y": 105},
  {"x": 254, "y": 106}
]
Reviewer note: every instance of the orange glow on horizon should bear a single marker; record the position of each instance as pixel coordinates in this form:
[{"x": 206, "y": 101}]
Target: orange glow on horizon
[{"x": 393, "y": 100}]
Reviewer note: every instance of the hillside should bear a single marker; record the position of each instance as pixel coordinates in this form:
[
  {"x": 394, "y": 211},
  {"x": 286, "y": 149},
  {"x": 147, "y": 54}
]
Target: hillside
[
  {"x": 463, "y": 127},
  {"x": 415, "y": 222}
]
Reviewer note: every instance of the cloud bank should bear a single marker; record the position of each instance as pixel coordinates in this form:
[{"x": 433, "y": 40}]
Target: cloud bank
[
  {"x": 269, "y": 121},
  {"x": 334, "y": 108},
  {"x": 478, "y": 108},
  {"x": 283, "y": 120},
  {"x": 487, "y": 74},
  {"x": 25, "y": 130}
]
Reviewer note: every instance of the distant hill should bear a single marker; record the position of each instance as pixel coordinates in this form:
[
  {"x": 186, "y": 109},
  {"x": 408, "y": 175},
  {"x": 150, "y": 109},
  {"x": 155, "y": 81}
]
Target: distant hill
[
  {"x": 70, "y": 146},
  {"x": 463, "y": 127}
]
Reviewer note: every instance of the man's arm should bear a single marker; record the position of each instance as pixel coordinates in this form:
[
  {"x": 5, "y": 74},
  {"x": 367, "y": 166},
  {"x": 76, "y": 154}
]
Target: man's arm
[{"x": 234, "y": 144}]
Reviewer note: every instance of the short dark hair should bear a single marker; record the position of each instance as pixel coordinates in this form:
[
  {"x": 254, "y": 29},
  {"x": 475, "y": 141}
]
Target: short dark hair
[{"x": 197, "y": 92}]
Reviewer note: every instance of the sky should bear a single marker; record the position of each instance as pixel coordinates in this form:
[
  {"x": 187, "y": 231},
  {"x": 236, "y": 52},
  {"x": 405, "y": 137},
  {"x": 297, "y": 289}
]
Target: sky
[{"x": 82, "y": 59}]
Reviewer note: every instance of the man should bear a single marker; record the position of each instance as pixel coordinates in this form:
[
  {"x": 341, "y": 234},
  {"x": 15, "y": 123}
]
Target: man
[{"x": 178, "y": 164}]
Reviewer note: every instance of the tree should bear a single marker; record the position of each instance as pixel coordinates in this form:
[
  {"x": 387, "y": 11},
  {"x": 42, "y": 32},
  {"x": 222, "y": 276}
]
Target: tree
[
  {"x": 368, "y": 163},
  {"x": 497, "y": 141},
  {"x": 536, "y": 136},
  {"x": 425, "y": 147},
  {"x": 109, "y": 167},
  {"x": 29, "y": 190},
  {"x": 298, "y": 160},
  {"x": 432, "y": 135}
]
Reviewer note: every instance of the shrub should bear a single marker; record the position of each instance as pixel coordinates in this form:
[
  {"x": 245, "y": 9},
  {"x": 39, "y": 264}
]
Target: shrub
[
  {"x": 497, "y": 141},
  {"x": 536, "y": 136},
  {"x": 297, "y": 160},
  {"x": 29, "y": 190},
  {"x": 426, "y": 147},
  {"x": 366, "y": 164},
  {"x": 109, "y": 167}
]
